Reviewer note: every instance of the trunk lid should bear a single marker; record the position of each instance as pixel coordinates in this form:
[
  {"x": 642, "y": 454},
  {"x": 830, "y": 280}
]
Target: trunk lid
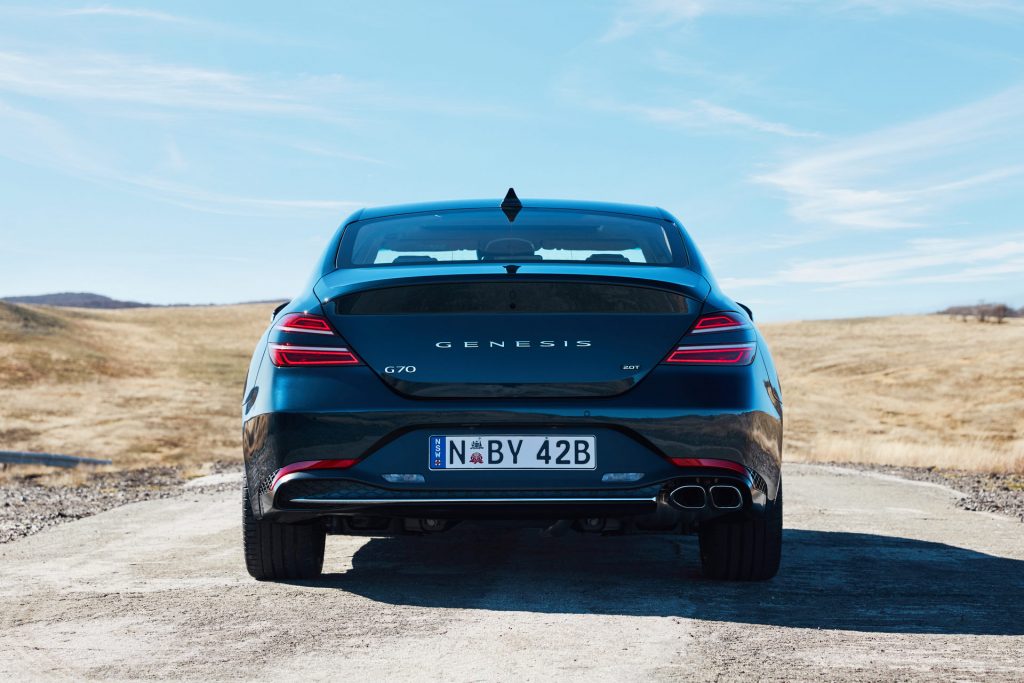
[{"x": 543, "y": 332}]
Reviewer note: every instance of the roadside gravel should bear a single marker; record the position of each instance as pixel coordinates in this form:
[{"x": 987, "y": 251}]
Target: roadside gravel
[
  {"x": 27, "y": 507},
  {"x": 983, "y": 492}
]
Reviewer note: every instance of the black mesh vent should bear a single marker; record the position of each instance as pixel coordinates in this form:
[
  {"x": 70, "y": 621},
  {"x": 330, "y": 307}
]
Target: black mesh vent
[
  {"x": 759, "y": 483},
  {"x": 265, "y": 483}
]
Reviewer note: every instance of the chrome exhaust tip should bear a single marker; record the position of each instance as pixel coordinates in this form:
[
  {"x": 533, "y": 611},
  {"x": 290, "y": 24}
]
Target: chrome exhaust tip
[
  {"x": 689, "y": 497},
  {"x": 726, "y": 497}
]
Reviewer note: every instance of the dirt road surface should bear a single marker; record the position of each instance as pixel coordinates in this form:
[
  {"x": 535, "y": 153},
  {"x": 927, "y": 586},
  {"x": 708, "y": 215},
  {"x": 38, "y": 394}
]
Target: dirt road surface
[{"x": 881, "y": 579}]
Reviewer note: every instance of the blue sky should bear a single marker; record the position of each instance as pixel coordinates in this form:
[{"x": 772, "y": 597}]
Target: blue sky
[{"x": 832, "y": 159}]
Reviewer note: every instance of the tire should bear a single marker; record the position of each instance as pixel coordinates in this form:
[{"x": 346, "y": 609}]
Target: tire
[
  {"x": 743, "y": 549},
  {"x": 280, "y": 552}
]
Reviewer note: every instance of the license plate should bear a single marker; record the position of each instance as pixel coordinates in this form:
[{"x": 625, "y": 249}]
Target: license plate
[{"x": 512, "y": 452}]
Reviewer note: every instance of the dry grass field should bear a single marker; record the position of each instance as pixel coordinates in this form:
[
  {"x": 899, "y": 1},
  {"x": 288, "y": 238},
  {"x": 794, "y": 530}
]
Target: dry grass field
[
  {"x": 142, "y": 386},
  {"x": 162, "y": 386},
  {"x": 919, "y": 391}
]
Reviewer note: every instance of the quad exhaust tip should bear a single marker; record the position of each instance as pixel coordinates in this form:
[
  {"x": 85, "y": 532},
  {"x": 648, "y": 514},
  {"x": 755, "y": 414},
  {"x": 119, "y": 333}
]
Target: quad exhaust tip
[
  {"x": 726, "y": 497},
  {"x": 694, "y": 497},
  {"x": 689, "y": 497}
]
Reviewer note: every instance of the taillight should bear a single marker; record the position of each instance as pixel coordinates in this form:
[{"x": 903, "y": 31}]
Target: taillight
[
  {"x": 303, "y": 322},
  {"x": 719, "y": 322},
  {"x": 295, "y": 355},
  {"x": 287, "y": 355},
  {"x": 719, "y": 354}
]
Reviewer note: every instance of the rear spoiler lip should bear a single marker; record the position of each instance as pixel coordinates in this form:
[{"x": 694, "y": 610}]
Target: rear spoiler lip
[{"x": 347, "y": 280}]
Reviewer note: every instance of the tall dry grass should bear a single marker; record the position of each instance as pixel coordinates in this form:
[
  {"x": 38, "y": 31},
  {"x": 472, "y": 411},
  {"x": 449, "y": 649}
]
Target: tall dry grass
[
  {"x": 138, "y": 386},
  {"x": 163, "y": 386},
  {"x": 908, "y": 390}
]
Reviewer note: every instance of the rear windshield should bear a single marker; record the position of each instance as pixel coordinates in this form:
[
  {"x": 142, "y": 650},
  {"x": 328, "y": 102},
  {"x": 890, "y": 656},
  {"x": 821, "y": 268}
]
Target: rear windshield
[{"x": 469, "y": 236}]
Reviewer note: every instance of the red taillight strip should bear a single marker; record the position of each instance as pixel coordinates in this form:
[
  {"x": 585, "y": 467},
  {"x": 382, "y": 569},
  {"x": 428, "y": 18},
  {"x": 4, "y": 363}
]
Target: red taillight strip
[
  {"x": 710, "y": 462},
  {"x": 305, "y": 465},
  {"x": 719, "y": 322},
  {"x": 287, "y": 355},
  {"x": 306, "y": 324},
  {"x": 718, "y": 354}
]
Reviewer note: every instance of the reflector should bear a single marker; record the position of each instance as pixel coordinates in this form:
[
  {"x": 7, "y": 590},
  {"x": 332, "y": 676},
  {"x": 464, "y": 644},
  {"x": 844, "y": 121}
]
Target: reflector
[
  {"x": 710, "y": 462},
  {"x": 305, "y": 465}
]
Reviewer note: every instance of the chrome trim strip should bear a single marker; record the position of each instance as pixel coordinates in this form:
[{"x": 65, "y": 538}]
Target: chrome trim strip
[{"x": 406, "y": 501}]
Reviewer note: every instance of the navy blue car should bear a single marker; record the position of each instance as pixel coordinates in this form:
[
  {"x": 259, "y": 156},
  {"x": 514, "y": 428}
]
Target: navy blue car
[{"x": 566, "y": 365}]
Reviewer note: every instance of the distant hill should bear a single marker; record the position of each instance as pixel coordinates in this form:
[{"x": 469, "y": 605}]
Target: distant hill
[
  {"x": 90, "y": 300},
  {"x": 75, "y": 300}
]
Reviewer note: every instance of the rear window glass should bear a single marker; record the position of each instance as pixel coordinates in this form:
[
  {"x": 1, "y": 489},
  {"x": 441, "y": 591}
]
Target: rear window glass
[{"x": 468, "y": 236}]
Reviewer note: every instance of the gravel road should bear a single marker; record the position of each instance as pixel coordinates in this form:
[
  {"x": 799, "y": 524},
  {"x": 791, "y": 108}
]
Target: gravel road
[{"x": 882, "y": 578}]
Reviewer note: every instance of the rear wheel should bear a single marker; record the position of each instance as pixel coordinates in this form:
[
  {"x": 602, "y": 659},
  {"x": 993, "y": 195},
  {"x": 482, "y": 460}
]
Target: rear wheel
[
  {"x": 279, "y": 552},
  {"x": 743, "y": 549}
]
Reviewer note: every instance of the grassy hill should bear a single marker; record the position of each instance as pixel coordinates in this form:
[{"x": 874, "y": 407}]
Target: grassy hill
[
  {"x": 75, "y": 300},
  {"x": 150, "y": 386},
  {"x": 139, "y": 386}
]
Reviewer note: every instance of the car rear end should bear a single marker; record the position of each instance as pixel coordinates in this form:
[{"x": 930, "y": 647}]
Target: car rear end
[{"x": 562, "y": 367}]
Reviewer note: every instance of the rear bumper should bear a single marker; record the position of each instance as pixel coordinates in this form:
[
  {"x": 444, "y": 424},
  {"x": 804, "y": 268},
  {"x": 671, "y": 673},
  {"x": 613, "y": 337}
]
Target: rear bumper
[
  {"x": 663, "y": 428},
  {"x": 661, "y": 450},
  {"x": 303, "y": 496}
]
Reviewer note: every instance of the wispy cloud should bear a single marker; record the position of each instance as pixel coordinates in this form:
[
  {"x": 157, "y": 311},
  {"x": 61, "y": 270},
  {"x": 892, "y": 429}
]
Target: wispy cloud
[
  {"x": 976, "y": 7},
  {"x": 896, "y": 177},
  {"x": 922, "y": 261},
  {"x": 123, "y": 78},
  {"x": 732, "y": 117},
  {"x": 215, "y": 202},
  {"x": 930, "y": 260},
  {"x": 118, "y": 17},
  {"x": 129, "y": 79},
  {"x": 696, "y": 114},
  {"x": 37, "y": 140},
  {"x": 106, "y": 85},
  {"x": 645, "y": 15},
  {"x": 713, "y": 76},
  {"x": 126, "y": 12},
  {"x": 640, "y": 15},
  {"x": 331, "y": 153}
]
